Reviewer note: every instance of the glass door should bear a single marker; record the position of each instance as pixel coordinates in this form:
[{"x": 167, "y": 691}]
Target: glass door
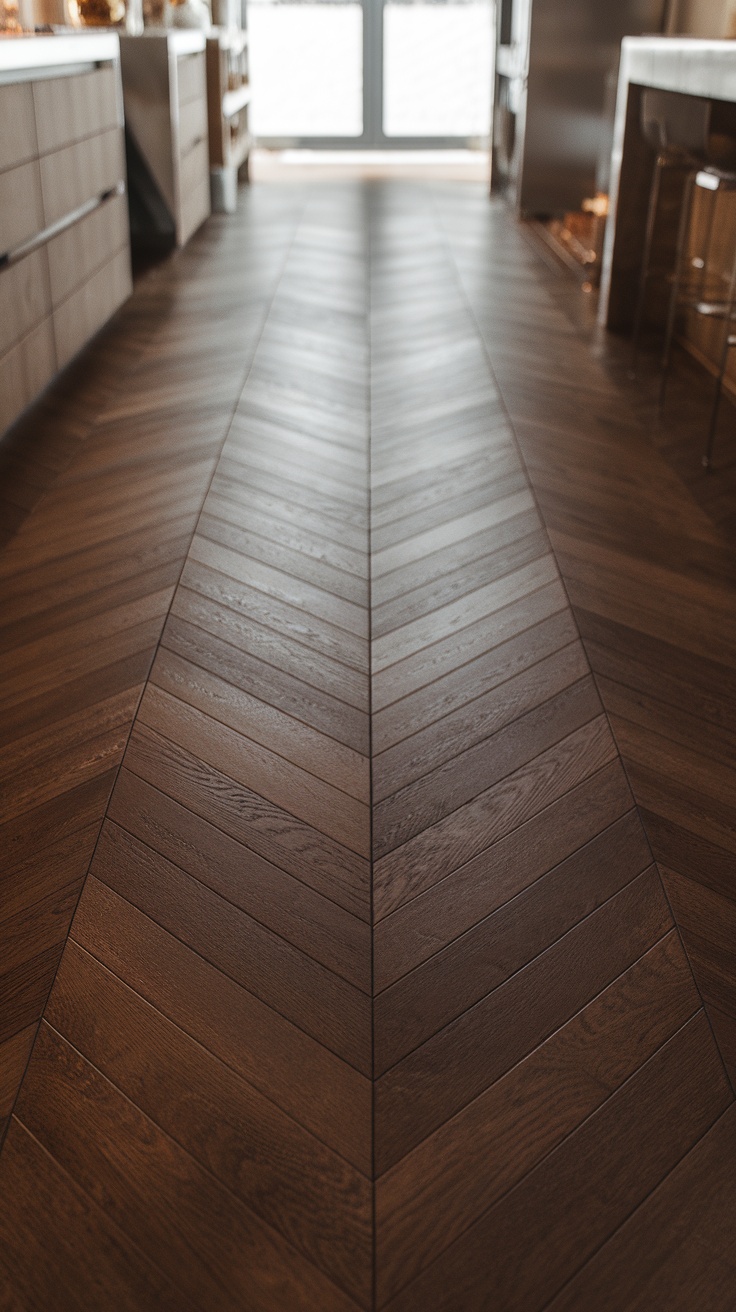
[
  {"x": 437, "y": 71},
  {"x": 401, "y": 74}
]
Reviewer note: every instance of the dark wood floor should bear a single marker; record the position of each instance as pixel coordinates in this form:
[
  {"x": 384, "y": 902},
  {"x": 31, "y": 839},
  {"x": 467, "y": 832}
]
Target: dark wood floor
[
  {"x": 374, "y": 997},
  {"x": 643, "y": 537},
  {"x": 121, "y": 451}
]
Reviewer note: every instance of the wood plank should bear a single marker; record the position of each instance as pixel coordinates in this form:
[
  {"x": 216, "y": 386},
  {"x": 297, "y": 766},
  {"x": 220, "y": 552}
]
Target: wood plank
[
  {"x": 307, "y": 994},
  {"x": 321, "y": 862},
  {"x": 445, "y": 656},
  {"x": 280, "y": 688},
  {"x": 449, "y": 786},
  {"x": 432, "y": 855},
  {"x": 79, "y": 1250},
  {"x": 480, "y": 604},
  {"x": 465, "y": 681},
  {"x": 295, "y": 553},
  {"x": 206, "y": 1241},
  {"x": 332, "y": 1100},
  {"x": 454, "y": 979},
  {"x": 274, "y": 646},
  {"x": 14, "y": 1054},
  {"x": 675, "y": 1247},
  {"x": 285, "y": 905},
  {"x": 296, "y": 785},
  {"x": 525, "y": 1248},
  {"x": 475, "y": 720},
  {"x": 437, "y": 1079},
  {"x": 434, "y": 1194},
  {"x": 258, "y": 1152},
  {"x": 421, "y": 927}
]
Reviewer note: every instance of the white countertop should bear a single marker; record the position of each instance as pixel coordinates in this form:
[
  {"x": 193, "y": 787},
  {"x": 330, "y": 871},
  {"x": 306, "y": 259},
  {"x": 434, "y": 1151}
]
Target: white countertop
[
  {"x": 182, "y": 40},
  {"x": 678, "y": 63},
  {"x": 23, "y": 54}
]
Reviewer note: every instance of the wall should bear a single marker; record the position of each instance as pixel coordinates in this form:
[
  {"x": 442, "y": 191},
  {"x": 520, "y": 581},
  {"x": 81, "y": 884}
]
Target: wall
[{"x": 705, "y": 18}]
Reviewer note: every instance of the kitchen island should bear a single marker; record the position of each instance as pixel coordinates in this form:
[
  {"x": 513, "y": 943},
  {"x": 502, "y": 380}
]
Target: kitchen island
[
  {"x": 687, "y": 65},
  {"x": 64, "y": 235}
]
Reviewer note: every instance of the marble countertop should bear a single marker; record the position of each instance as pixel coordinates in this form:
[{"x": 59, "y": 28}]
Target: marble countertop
[
  {"x": 180, "y": 40},
  {"x": 688, "y": 64},
  {"x": 20, "y": 55}
]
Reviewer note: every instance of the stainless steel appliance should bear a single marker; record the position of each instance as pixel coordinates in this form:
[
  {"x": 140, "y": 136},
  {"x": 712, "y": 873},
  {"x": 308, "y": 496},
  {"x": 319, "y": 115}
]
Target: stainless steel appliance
[{"x": 556, "y": 73}]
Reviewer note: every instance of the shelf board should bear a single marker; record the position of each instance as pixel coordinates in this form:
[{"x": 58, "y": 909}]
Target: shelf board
[{"x": 234, "y": 101}]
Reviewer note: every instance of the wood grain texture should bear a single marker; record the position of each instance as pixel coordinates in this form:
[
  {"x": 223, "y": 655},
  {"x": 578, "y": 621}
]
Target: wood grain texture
[
  {"x": 107, "y": 477},
  {"x": 644, "y": 542},
  {"x": 373, "y": 997},
  {"x": 518, "y": 912}
]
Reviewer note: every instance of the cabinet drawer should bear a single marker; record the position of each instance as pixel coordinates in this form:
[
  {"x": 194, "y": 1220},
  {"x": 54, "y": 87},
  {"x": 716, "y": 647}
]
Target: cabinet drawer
[
  {"x": 192, "y": 124},
  {"x": 24, "y": 297},
  {"x": 84, "y": 312},
  {"x": 25, "y": 371},
  {"x": 21, "y": 210},
  {"x": 17, "y": 125},
  {"x": 191, "y": 77},
  {"x": 194, "y": 169},
  {"x": 194, "y": 210},
  {"x": 70, "y": 108},
  {"x": 75, "y": 254},
  {"x": 78, "y": 173}
]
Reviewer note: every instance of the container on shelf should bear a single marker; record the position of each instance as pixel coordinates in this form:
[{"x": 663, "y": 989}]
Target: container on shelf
[
  {"x": 101, "y": 13},
  {"x": 188, "y": 13},
  {"x": 10, "y": 23}
]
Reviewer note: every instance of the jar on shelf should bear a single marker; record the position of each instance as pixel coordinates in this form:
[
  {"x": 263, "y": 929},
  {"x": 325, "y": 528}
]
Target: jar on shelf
[
  {"x": 101, "y": 13},
  {"x": 125, "y": 14},
  {"x": 188, "y": 13},
  {"x": 10, "y": 24}
]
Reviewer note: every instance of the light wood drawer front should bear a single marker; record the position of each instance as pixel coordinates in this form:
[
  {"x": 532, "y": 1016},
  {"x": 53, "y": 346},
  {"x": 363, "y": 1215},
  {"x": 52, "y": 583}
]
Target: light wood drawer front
[
  {"x": 192, "y": 124},
  {"x": 25, "y": 371},
  {"x": 194, "y": 170},
  {"x": 194, "y": 210},
  {"x": 17, "y": 125},
  {"x": 191, "y": 78},
  {"x": 80, "y": 172},
  {"x": 70, "y": 108},
  {"x": 24, "y": 298},
  {"x": 21, "y": 209},
  {"x": 90, "y": 306},
  {"x": 79, "y": 250}
]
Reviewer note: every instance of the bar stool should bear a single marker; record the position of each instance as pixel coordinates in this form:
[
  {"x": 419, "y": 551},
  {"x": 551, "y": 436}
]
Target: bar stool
[
  {"x": 712, "y": 297},
  {"x": 678, "y": 130}
]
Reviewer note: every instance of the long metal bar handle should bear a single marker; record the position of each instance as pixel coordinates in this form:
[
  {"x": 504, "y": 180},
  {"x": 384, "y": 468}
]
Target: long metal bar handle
[
  {"x": 707, "y": 458},
  {"x": 682, "y": 232},
  {"x": 646, "y": 259}
]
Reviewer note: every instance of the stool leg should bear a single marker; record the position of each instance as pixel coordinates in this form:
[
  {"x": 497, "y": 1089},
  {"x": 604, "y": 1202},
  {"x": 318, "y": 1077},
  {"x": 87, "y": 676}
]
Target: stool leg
[
  {"x": 707, "y": 458},
  {"x": 706, "y": 246},
  {"x": 684, "y": 224},
  {"x": 646, "y": 258}
]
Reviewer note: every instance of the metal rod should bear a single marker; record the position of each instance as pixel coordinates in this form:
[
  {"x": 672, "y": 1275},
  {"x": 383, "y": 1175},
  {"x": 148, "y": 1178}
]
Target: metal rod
[
  {"x": 645, "y": 261},
  {"x": 682, "y": 230}
]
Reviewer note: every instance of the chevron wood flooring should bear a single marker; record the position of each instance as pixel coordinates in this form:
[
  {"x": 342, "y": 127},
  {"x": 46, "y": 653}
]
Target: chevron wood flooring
[
  {"x": 92, "y": 556},
  {"x": 645, "y": 550},
  {"x": 373, "y": 997}
]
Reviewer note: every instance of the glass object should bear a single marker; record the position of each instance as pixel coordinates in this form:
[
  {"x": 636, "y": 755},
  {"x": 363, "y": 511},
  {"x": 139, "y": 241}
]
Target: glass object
[
  {"x": 306, "y": 68},
  {"x": 188, "y": 13},
  {"x": 437, "y": 68},
  {"x": 10, "y": 24},
  {"x": 154, "y": 13},
  {"x": 101, "y": 13}
]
